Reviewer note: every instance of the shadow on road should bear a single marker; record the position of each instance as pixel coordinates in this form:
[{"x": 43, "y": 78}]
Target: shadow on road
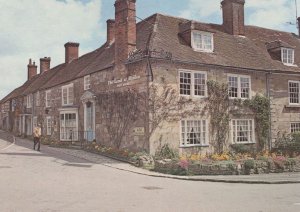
[
  {"x": 23, "y": 154},
  {"x": 46, "y": 151}
]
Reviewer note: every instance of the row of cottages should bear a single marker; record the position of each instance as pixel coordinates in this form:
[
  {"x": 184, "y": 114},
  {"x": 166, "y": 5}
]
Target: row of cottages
[{"x": 123, "y": 93}]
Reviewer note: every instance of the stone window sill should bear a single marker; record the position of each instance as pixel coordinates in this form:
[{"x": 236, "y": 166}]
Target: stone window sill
[{"x": 292, "y": 106}]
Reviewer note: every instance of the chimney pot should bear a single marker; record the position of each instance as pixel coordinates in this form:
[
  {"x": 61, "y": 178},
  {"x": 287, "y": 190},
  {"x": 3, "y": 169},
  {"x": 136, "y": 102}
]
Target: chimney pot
[
  {"x": 71, "y": 51},
  {"x": 233, "y": 16},
  {"x": 110, "y": 31}
]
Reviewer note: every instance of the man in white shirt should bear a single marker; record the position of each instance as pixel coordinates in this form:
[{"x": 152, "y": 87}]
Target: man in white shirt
[{"x": 37, "y": 132}]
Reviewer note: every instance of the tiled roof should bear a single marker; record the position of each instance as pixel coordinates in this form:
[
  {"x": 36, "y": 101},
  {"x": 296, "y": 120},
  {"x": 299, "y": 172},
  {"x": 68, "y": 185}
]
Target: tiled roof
[
  {"x": 247, "y": 51},
  {"x": 18, "y": 91},
  {"x": 42, "y": 79},
  {"x": 277, "y": 44},
  {"x": 161, "y": 32}
]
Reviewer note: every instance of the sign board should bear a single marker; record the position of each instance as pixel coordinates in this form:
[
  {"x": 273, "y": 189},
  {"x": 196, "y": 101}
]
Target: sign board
[
  {"x": 124, "y": 82},
  {"x": 139, "y": 131}
]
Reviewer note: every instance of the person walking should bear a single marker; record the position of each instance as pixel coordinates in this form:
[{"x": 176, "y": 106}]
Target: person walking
[{"x": 37, "y": 132}]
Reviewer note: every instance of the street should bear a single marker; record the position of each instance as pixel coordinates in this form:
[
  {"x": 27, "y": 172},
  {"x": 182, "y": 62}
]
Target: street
[{"x": 51, "y": 181}]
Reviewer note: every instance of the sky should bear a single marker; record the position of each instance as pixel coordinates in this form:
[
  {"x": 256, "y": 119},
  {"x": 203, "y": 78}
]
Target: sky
[{"x": 40, "y": 28}]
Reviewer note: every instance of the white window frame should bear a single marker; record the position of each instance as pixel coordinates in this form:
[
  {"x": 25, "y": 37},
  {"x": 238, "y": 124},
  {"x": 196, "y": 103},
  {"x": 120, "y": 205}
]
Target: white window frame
[
  {"x": 183, "y": 143},
  {"x": 202, "y": 33},
  {"x": 233, "y": 131},
  {"x": 68, "y": 88},
  {"x": 239, "y": 94},
  {"x": 285, "y": 57},
  {"x": 29, "y": 101},
  {"x": 296, "y": 128},
  {"x": 13, "y": 105},
  {"x": 37, "y": 99},
  {"x": 48, "y": 98},
  {"x": 64, "y": 112},
  {"x": 48, "y": 125},
  {"x": 87, "y": 82},
  {"x": 192, "y": 85},
  {"x": 34, "y": 122},
  {"x": 296, "y": 82}
]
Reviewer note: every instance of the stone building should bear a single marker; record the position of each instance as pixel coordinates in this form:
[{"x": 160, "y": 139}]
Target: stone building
[{"x": 77, "y": 100}]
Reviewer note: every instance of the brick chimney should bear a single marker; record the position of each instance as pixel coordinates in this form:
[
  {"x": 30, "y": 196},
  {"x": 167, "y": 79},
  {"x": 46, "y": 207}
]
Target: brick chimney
[
  {"x": 125, "y": 29},
  {"x": 71, "y": 51},
  {"x": 110, "y": 31},
  {"x": 32, "y": 69},
  {"x": 44, "y": 64},
  {"x": 233, "y": 16}
]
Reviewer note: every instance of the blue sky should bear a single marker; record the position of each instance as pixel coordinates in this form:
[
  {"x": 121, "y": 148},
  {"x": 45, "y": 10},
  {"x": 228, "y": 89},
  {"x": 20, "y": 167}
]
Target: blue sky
[{"x": 39, "y": 28}]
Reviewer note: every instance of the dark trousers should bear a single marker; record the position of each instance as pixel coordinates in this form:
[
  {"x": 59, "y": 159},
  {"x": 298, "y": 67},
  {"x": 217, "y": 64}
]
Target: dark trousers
[{"x": 37, "y": 141}]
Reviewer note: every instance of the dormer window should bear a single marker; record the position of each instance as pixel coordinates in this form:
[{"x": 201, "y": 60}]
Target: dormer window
[
  {"x": 282, "y": 51},
  {"x": 287, "y": 56},
  {"x": 202, "y": 41}
]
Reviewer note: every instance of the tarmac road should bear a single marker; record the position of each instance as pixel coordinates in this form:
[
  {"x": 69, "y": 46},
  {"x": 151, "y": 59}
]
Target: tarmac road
[{"x": 52, "y": 181}]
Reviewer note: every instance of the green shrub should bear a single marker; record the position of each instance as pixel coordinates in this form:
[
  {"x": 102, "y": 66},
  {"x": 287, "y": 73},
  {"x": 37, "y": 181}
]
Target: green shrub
[
  {"x": 287, "y": 144},
  {"x": 166, "y": 152},
  {"x": 263, "y": 158},
  {"x": 242, "y": 148},
  {"x": 249, "y": 164}
]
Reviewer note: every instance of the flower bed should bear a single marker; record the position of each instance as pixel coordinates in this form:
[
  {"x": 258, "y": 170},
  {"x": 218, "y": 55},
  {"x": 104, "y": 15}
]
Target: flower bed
[
  {"x": 165, "y": 161},
  {"x": 184, "y": 166},
  {"x": 140, "y": 159}
]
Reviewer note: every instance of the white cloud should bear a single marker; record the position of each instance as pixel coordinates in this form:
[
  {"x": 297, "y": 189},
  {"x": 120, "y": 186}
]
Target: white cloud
[
  {"x": 201, "y": 9},
  {"x": 38, "y": 28},
  {"x": 265, "y": 13}
]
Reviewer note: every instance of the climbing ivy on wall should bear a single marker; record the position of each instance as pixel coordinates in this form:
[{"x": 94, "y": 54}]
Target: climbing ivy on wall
[
  {"x": 218, "y": 109},
  {"x": 260, "y": 105}
]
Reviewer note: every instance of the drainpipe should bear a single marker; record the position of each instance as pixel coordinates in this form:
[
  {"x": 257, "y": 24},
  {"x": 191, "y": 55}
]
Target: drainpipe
[{"x": 270, "y": 115}]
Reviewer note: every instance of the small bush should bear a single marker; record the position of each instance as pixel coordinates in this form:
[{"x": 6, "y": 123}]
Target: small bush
[
  {"x": 242, "y": 149},
  {"x": 166, "y": 152},
  {"x": 287, "y": 144},
  {"x": 249, "y": 164}
]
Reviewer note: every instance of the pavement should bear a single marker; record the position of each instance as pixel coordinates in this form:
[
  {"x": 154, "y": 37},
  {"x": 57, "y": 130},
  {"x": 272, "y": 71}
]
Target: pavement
[{"x": 278, "y": 178}]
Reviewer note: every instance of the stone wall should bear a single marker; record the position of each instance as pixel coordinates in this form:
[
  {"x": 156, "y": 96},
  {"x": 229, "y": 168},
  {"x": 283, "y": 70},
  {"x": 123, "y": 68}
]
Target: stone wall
[
  {"x": 169, "y": 132},
  {"x": 177, "y": 167}
]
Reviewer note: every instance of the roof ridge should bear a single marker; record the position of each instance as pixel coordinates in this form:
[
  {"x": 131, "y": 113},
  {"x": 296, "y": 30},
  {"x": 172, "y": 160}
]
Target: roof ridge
[
  {"x": 275, "y": 30},
  {"x": 101, "y": 51}
]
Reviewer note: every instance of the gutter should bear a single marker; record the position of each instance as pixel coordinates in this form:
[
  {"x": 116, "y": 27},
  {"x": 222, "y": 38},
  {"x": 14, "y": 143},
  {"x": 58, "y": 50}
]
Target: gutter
[{"x": 274, "y": 71}]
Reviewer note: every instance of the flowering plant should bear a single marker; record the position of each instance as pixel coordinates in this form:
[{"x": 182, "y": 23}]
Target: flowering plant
[{"x": 184, "y": 164}]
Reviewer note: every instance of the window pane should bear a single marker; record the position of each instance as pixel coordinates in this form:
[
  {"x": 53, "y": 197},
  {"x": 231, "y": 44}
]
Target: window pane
[
  {"x": 245, "y": 87},
  {"x": 193, "y": 132},
  {"x": 295, "y": 127},
  {"x": 65, "y": 96},
  {"x": 199, "y": 84},
  {"x": 185, "y": 83},
  {"x": 233, "y": 86},
  {"x": 207, "y": 41},
  {"x": 70, "y": 95},
  {"x": 243, "y": 131},
  {"x": 68, "y": 126},
  {"x": 198, "y": 40},
  {"x": 294, "y": 92},
  {"x": 202, "y": 41},
  {"x": 287, "y": 56},
  {"x": 86, "y": 82},
  {"x": 183, "y": 132}
]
